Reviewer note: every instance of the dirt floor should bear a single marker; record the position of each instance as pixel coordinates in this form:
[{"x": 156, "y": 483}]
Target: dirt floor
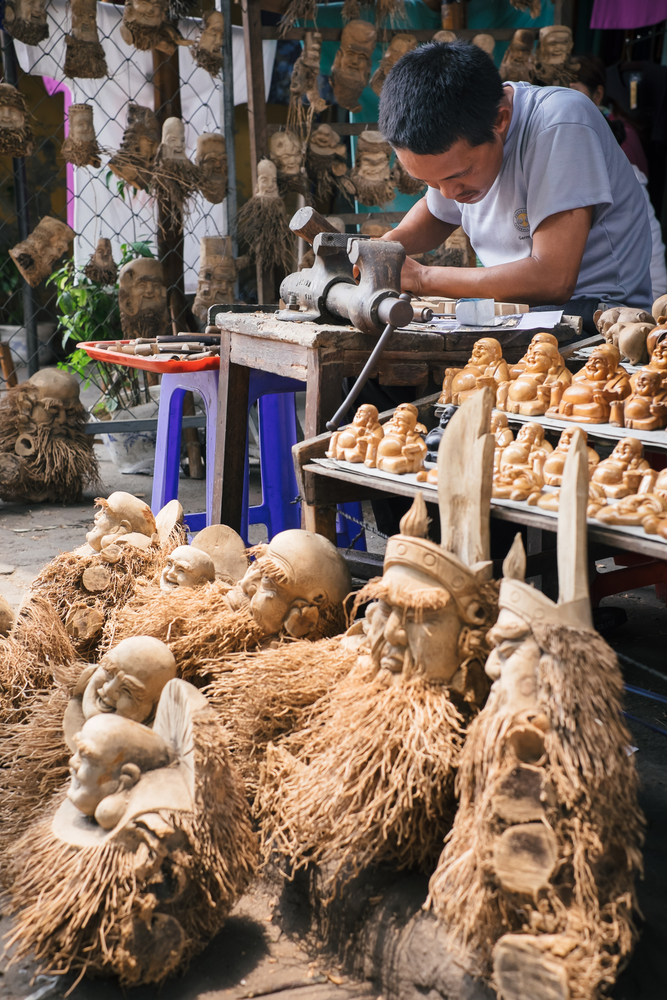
[{"x": 258, "y": 953}]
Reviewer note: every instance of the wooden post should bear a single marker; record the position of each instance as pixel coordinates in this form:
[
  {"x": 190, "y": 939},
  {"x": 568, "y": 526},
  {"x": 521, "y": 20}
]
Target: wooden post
[
  {"x": 166, "y": 81},
  {"x": 259, "y": 140},
  {"x": 8, "y": 370}
]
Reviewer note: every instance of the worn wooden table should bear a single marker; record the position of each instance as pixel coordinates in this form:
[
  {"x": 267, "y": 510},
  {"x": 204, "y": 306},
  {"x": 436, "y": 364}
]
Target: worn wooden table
[{"x": 320, "y": 356}]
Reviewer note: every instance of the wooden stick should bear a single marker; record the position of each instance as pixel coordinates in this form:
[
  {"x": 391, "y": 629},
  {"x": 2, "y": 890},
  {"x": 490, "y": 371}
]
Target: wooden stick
[{"x": 7, "y": 363}]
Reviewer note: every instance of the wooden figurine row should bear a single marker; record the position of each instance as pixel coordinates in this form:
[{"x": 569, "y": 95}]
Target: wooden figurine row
[
  {"x": 623, "y": 488},
  {"x": 397, "y": 446},
  {"x": 540, "y": 383}
]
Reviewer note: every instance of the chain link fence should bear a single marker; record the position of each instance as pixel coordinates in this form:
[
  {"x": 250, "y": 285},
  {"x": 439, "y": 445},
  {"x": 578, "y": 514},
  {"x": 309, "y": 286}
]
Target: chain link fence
[{"x": 42, "y": 326}]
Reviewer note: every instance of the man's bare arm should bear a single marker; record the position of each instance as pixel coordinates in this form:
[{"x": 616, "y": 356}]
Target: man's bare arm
[
  {"x": 548, "y": 276},
  {"x": 420, "y": 231}
]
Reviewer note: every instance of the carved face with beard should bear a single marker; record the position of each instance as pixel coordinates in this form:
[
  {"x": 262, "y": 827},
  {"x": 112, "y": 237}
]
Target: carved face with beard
[
  {"x": 211, "y": 158},
  {"x": 16, "y": 135},
  {"x": 25, "y": 20},
  {"x": 84, "y": 57},
  {"x": 351, "y": 69},
  {"x": 37, "y": 255},
  {"x": 217, "y": 274},
  {"x": 207, "y": 52},
  {"x": 80, "y": 147},
  {"x": 142, "y": 298},
  {"x": 134, "y": 160}
]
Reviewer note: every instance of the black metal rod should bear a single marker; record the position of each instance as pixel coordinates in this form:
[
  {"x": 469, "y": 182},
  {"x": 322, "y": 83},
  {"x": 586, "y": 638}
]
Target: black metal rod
[
  {"x": 22, "y": 214},
  {"x": 334, "y": 423}
]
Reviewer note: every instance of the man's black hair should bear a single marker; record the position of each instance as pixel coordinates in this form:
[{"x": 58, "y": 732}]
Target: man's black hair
[{"x": 438, "y": 94}]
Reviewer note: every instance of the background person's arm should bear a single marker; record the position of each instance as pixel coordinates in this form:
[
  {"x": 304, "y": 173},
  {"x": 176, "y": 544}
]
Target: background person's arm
[
  {"x": 420, "y": 231},
  {"x": 547, "y": 277}
]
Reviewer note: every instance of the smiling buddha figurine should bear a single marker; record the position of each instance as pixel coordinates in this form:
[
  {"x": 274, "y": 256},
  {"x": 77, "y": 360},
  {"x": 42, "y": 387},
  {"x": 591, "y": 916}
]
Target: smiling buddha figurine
[
  {"x": 485, "y": 368},
  {"x": 529, "y": 393},
  {"x": 589, "y": 397},
  {"x": 402, "y": 448}
]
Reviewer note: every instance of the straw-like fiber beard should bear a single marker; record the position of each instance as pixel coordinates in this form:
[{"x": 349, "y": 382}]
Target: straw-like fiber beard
[
  {"x": 405, "y": 182},
  {"x": 145, "y": 36},
  {"x": 36, "y": 654},
  {"x": 553, "y": 75},
  {"x": 295, "y": 11},
  {"x": 139, "y": 915},
  {"x": 60, "y": 582},
  {"x": 326, "y": 182},
  {"x": 369, "y": 778},
  {"x": 27, "y": 32},
  {"x": 372, "y": 192},
  {"x": 60, "y": 467},
  {"x": 264, "y": 695},
  {"x": 173, "y": 184},
  {"x": 16, "y": 141},
  {"x": 125, "y": 163},
  {"x": 262, "y": 225},
  {"x": 148, "y": 322},
  {"x": 596, "y": 819},
  {"x": 205, "y": 59},
  {"x": 84, "y": 60},
  {"x": 103, "y": 275},
  {"x": 197, "y": 624},
  {"x": 81, "y": 154}
]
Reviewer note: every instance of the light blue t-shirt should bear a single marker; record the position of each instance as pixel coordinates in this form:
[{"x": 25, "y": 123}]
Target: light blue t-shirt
[{"x": 560, "y": 154}]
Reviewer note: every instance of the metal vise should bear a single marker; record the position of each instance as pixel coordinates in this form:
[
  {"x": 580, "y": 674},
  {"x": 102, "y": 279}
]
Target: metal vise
[{"x": 327, "y": 292}]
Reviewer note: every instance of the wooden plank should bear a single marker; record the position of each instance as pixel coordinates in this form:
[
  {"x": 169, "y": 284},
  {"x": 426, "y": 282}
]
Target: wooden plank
[
  {"x": 254, "y": 60},
  {"x": 385, "y": 35}
]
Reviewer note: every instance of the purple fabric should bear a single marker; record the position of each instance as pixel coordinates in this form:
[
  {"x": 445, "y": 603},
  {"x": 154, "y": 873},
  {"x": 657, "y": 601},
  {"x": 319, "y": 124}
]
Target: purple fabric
[{"x": 627, "y": 13}]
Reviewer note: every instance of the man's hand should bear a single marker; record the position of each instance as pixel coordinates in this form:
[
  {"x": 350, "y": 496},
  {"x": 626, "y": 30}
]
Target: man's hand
[{"x": 412, "y": 276}]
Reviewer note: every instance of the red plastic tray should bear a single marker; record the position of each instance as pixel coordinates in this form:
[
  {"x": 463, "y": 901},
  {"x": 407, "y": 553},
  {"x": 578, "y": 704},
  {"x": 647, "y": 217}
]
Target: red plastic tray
[{"x": 147, "y": 364}]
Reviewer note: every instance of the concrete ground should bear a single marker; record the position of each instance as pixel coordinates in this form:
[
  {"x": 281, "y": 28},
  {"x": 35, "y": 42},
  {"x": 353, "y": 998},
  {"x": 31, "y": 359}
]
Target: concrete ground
[{"x": 252, "y": 956}]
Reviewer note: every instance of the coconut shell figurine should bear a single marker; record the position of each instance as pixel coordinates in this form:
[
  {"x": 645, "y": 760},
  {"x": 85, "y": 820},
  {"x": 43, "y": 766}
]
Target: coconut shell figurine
[
  {"x": 126, "y": 543},
  {"x": 36, "y": 257},
  {"x": 132, "y": 875},
  {"x": 211, "y": 161},
  {"x": 133, "y": 162},
  {"x": 326, "y": 163},
  {"x": 142, "y": 298},
  {"x": 207, "y": 50},
  {"x": 370, "y": 777},
  {"x": 84, "y": 56},
  {"x": 16, "y": 134},
  {"x": 45, "y": 453},
  {"x": 535, "y": 884},
  {"x": 80, "y": 147},
  {"x": 102, "y": 267},
  {"x": 146, "y": 25},
  {"x": 25, "y": 20},
  {"x": 262, "y": 223},
  {"x": 175, "y": 178}
]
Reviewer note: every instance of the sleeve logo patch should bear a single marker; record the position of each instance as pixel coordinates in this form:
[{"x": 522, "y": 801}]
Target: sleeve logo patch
[{"x": 521, "y": 220}]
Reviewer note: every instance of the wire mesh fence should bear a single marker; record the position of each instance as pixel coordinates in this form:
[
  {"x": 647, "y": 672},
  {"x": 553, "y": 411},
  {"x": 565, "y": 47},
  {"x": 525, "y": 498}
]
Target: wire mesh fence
[{"x": 42, "y": 325}]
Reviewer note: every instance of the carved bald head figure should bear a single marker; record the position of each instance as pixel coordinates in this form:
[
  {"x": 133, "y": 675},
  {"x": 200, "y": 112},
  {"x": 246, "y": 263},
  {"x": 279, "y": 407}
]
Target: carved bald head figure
[
  {"x": 555, "y": 43},
  {"x": 129, "y": 679},
  {"x": 81, "y": 122},
  {"x": 173, "y": 140},
  {"x": 187, "y": 567},
  {"x": 120, "y": 515},
  {"x": 12, "y": 107},
  {"x": 267, "y": 179},
  {"x": 352, "y": 66},
  {"x": 148, "y": 13},
  {"x": 296, "y": 577},
  {"x": 55, "y": 396},
  {"x": 486, "y": 351},
  {"x": 111, "y": 756}
]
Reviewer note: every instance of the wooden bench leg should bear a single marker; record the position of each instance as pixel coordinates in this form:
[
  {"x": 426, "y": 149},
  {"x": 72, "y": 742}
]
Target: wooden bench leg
[
  {"x": 230, "y": 448},
  {"x": 7, "y": 363},
  {"x": 324, "y": 394}
]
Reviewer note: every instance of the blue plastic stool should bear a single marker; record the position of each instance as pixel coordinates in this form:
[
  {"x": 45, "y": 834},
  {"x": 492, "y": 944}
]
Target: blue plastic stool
[
  {"x": 347, "y": 531},
  {"x": 277, "y": 419}
]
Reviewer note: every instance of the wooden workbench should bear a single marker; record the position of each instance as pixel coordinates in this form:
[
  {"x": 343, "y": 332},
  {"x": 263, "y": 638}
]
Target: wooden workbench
[{"x": 318, "y": 355}]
